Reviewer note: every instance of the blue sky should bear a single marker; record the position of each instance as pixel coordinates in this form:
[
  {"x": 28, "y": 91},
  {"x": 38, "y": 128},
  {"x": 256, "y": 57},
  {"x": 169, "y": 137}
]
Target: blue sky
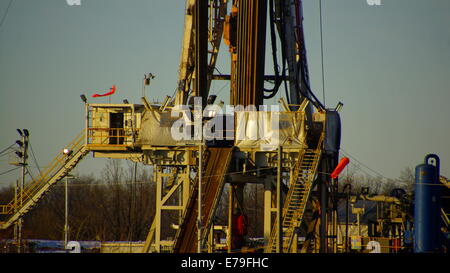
[{"x": 388, "y": 64}]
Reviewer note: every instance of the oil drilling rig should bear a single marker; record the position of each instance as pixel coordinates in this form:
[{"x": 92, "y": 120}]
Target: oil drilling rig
[{"x": 199, "y": 147}]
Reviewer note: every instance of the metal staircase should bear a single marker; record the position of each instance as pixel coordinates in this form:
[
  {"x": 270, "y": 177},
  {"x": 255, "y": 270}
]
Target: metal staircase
[
  {"x": 297, "y": 197},
  {"x": 61, "y": 165}
]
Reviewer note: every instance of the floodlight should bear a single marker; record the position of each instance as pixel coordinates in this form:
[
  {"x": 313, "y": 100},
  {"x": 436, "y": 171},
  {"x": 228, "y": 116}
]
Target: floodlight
[{"x": 67, "y": 152}]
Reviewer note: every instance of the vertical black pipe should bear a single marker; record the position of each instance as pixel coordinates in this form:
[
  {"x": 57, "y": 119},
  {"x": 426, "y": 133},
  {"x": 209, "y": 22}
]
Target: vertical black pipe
[
  {"x": 201, "y": 50},
  {"x": 334, "y": 197},
  {"x": 349, "y": 186}
]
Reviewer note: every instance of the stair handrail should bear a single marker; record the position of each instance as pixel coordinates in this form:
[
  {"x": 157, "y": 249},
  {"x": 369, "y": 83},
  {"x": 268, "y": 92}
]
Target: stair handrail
[
  {"x": 297, "y": 167},
  {"x": 314, "y": 166},
  {"x": 31, "y": 188}
]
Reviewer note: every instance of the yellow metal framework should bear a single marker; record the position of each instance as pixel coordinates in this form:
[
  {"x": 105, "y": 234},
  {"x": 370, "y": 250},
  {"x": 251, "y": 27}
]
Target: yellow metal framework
[{"x": 61, "y": 165}]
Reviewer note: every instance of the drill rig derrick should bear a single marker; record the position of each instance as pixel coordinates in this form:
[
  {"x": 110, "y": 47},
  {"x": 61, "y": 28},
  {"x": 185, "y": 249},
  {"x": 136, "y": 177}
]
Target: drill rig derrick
[
  {"x": 143, "y": 132},
  {"x": 244, "y": 31},
  {"x": 191, "y": 55}
]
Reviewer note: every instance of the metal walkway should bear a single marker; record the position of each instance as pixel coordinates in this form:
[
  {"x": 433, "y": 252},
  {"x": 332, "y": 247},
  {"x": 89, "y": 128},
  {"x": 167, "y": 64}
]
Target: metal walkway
[
  {"x": 216, "y": 162},
  {"x": 296, "y": 199},
  {"x": 61, "y": 165}
]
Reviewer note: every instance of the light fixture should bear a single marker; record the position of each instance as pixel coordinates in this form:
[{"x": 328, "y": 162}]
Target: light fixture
[
  {"x": 148, "y": 78},
  {"x": 83, "y": 98},
  {"x": 67, "y": 152},
  {"x": 20, "y": 132},
  {"x": 25, "y": 131},
  {"x": 126, "y": 101},
  {"x": 19, "y": 143}
]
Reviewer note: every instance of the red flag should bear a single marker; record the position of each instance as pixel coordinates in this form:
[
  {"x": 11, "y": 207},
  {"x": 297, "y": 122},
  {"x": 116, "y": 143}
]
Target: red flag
[
  {"x": 112, "y": 91},
  {"x": 340, "y": 167}
]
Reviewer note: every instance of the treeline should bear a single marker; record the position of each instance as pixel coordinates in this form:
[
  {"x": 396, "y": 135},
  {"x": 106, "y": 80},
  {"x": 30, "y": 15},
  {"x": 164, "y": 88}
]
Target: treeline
[
  {"x": 117, "y": 207},
  {"x": 376, "y": 184},
  {"x": 120, "y": 206}
]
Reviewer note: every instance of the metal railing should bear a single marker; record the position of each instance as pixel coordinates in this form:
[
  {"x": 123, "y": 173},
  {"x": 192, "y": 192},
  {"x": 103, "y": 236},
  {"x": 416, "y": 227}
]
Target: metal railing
[
  {"x": 111, "y": 136},
  {"x": 31, "y": 189},
  {"x": 297, "y": 197}
]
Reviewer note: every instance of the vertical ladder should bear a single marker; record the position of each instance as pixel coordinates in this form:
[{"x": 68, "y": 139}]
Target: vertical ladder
[
  {"x": 297, "y": 197},
  {"x": 61, "y": 165}
]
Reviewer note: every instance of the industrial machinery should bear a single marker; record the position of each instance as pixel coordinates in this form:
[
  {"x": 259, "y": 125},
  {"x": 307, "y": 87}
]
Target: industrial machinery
[{"x": 290, "y": 149}]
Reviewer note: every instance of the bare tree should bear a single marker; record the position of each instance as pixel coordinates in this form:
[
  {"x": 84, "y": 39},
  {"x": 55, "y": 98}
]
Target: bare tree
[{"x": 116, "y": 207}]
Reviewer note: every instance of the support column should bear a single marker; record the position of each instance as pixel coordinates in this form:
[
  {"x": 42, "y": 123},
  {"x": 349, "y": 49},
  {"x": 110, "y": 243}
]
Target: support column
[
  {"x": 230, "y": 218},
  {"x": 66, "y": 212},
  {"x": 211, "y": 239},
  {"x": 267, "y": 208},
  {"x": 16, "y": 205},
  {"x": 335, "y": 234},
  {"x": 158, "y": 181},
  {"x": 278, "y": 221},
  {"x": 323, "y": 208},
  {"x": 186, "y": 189},
  {"x": 295, "y": 243},
  {"x": 182, "y": 185}
]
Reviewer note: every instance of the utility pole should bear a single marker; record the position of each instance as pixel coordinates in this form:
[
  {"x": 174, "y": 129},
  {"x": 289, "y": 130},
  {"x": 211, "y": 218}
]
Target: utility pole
[
  {"x": 16, "y": 205},
  {"x": 349, "y": 186},
  {"x": 66, "y": 211},
  {"x": 22, "y": 154}
]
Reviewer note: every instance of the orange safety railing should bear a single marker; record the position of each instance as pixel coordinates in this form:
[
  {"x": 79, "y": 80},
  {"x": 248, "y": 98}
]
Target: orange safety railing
[{"x": 111, "y": 136}]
